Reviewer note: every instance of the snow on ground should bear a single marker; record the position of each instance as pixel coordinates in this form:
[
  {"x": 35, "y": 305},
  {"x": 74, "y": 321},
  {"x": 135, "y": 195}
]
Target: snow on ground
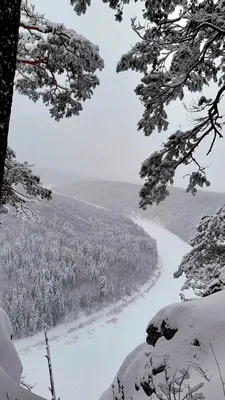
[
  {"x": 86, "y": 359},
  {"x": 87, "y": 202},
  {"x": 10, "y": 365},
  {"x": 186, "y": 336}
]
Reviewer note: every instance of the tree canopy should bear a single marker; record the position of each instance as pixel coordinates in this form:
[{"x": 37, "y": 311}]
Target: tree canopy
[
  {"x": 55, "y": 64},
  {"x": 21, "y": 187},
  {"x": 180, "y": 49},
  {"x": 205, "y": 261}
]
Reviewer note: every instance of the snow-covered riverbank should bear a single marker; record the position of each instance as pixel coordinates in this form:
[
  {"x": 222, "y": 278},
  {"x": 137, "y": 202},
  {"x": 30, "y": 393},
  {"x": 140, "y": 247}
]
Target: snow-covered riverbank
[{"x": 86, "y": 359}]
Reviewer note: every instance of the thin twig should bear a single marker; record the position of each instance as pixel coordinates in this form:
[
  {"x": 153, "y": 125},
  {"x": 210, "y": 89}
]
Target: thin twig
[{"x": 218, "y": 366}]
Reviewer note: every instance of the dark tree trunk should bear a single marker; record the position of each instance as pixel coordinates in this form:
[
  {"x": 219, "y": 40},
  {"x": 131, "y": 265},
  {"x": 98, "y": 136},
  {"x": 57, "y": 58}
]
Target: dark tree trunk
[{"x": 9, "y": 29}]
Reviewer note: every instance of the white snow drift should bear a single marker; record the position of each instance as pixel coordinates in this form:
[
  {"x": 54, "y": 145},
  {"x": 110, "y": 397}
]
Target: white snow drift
[{"x": 10, "y": 365}]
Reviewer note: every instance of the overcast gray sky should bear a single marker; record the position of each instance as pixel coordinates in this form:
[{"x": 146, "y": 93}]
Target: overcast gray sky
[{"x": 103, "y": 140}]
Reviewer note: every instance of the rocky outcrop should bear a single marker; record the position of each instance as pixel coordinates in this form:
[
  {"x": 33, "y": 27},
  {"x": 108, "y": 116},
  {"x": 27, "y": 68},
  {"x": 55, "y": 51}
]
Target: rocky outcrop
[
  {"x": 185, "y": 343},
  {"x": 154, "y": 333}
]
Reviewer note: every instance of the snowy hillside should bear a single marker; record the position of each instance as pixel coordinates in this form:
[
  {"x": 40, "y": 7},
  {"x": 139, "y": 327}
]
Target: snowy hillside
[
  {"x": 86, "y": 357},
  {"x": 75, "y": 259},
  {"x": 180, "y": 212},
  {"x": 55, "y": 177}
]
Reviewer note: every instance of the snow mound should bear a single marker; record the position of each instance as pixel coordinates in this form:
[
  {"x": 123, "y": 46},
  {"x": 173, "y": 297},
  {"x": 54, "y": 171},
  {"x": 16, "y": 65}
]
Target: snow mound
[
  {"x": 188, "y": 335},
  {"x": 10, "y": 365}
]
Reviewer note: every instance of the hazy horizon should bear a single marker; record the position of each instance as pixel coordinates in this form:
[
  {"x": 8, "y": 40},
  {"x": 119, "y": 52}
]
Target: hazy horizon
[{"x": 72, "y": 177}]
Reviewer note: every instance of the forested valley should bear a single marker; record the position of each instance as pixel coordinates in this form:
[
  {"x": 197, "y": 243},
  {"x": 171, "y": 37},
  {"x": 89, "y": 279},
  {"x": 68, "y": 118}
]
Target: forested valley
[{"x": 73, "y": 258}]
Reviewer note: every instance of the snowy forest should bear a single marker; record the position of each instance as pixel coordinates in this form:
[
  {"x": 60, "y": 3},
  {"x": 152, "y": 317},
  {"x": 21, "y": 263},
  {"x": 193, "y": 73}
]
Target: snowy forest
[
  {"x": 74, "y": 259},
  {"x": 63, "y": 259}
]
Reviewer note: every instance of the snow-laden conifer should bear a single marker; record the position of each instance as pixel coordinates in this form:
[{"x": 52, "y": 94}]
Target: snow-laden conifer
[
  {"x": 21, "y": 187},
  {"x": 180, "y": 49},
  {"x": 55, "y": 64},
  {"x": 204, "y": 265}
]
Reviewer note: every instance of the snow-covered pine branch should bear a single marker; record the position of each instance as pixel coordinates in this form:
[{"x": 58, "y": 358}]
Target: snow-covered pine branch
[
  {"x": 21, "y": 186},
  {"x": 181, "y": 47},
  {"x": 55, "y": 64},
  {"x": 153, "y": 12},
  {"x": 204, "y": 265}
]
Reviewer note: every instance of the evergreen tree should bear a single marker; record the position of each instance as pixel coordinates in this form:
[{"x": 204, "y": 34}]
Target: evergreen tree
[
  {"x": 102, "y": 282},
  {"x": 93, "y": 272},
  {"x": 203, "y": 264},
  {"x": 57, "y": 308},
  {"x": 180, "y": 49},
  {"x": 21, "y": 187},
  {"x": 9, "y": 31},
  {"x": 40, "y": 51}
]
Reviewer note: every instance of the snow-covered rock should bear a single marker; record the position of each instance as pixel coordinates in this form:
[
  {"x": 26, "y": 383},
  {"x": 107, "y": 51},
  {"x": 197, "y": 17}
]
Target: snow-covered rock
[
  {"x": 10, "y": 365},
  {"x": 188, "y": 335},
  {"x": 9, "y": 359}
]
